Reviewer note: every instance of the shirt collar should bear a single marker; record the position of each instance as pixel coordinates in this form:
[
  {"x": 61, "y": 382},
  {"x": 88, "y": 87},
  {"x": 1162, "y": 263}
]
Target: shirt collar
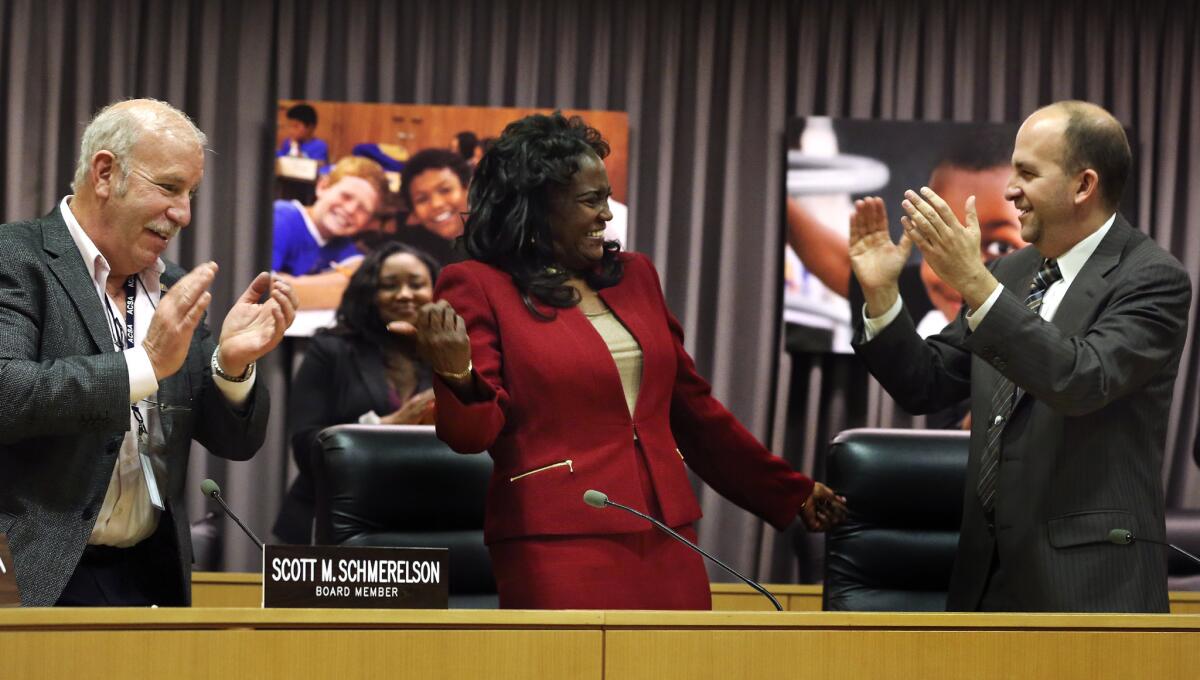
[
  {"x": 312, "y": 227},
  {"x": 97, "y": 266},
  {"x": 1071, "y": 262}
]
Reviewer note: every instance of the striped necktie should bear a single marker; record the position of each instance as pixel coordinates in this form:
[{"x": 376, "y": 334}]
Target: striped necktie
[{"x": 1005, "y": 396}]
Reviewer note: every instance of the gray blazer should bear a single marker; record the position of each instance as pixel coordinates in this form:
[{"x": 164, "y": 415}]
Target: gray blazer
[
  {"x": 64, "y": 409},
  {"x": 1083, "y": 450}
]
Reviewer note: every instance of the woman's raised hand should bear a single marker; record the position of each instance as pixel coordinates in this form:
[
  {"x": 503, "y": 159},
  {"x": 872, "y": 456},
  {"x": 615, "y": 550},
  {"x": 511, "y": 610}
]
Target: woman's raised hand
[{"x": 441, "y": 337}]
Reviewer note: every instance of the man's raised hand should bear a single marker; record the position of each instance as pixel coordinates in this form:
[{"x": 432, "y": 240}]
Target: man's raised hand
[{"x": 175, "y": 320}]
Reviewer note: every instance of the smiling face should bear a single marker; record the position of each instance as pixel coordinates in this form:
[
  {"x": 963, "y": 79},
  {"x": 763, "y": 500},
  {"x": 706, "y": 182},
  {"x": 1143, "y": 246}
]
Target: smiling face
[
  {"x": 405, "y": 284},
  {"x": 147, "y": 198},
  {"x": 438, "y": 201},
  {"x": 345, "y": 208},
  {"x": 578, "y": 213},
  {"x": 1040, "y": 187}
]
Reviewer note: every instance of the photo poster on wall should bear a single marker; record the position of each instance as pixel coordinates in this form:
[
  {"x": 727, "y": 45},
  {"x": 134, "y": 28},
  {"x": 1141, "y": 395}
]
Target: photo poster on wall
[
  {"x": 328, "y": 214},
  {"x": 833, "y": 162}
]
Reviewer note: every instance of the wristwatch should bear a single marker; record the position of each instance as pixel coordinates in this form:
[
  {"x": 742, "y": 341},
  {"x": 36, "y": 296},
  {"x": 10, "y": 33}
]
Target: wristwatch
[{"x": 220, "y": 373}]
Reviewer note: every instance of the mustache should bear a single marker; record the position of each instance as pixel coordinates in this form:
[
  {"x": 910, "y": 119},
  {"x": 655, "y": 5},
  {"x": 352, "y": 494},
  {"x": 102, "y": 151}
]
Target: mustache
[{"x": 165, "y": 230}]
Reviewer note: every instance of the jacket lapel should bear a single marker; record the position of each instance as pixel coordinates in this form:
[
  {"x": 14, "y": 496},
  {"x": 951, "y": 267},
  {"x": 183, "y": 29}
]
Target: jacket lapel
[
  {"x": 66, "y": 262},
  {"x": 1078, "y": 303}
]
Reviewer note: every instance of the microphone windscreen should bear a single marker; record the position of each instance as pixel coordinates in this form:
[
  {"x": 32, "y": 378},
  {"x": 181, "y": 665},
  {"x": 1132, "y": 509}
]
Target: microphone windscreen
[
  {"x": 208, "y": 487},
  {"x": 594, "y": 498},
  {"x": 1120, "y": 537}
]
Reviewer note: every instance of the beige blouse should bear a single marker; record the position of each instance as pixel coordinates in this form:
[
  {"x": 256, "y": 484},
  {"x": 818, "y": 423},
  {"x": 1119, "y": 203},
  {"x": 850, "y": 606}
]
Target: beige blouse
[{"x": 625, "y": 352}]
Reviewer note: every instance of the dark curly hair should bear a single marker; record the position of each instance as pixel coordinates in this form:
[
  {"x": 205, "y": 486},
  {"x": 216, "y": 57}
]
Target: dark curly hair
[
  {"x": 357, "y": 314},
  {"x": 508, "y": 226}
]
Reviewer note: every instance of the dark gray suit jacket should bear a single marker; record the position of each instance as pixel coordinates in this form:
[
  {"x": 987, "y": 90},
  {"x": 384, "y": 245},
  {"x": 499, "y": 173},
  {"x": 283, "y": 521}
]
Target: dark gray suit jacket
[
  {"x": 1083, "y": 450},
  {"x": 64, "y": 409}
]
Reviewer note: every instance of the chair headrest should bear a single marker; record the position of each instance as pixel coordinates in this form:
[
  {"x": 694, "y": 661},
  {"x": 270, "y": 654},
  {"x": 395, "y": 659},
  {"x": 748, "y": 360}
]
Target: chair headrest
[
  {"x": 401, "y": 477},
  {"x": 911, "y": 478}
]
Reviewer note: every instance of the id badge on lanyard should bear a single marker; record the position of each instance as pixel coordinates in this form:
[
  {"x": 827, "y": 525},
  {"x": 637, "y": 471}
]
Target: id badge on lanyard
[{"x": 143, "y": 437}]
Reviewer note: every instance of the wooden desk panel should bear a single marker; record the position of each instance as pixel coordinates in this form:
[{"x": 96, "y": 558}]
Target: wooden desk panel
[
  {"x": 739, "y": 597},
  {"x": 247, "y": 643},
  {"x": 850, "y": 646},
  {"x": 226, "y": 589},
  {"x": 236, "y": 589},
  {"x": 238, "y": 643}
]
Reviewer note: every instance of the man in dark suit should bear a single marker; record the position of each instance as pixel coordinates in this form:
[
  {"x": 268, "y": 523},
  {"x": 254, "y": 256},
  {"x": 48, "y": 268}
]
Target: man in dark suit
[
  {"x": 107, "y": 372},
  {"x": 1069, "y": 352}
]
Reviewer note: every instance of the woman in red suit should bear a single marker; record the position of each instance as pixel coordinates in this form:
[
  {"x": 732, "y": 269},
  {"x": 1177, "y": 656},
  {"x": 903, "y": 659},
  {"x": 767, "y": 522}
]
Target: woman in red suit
[{"x": 556, "y": 353}]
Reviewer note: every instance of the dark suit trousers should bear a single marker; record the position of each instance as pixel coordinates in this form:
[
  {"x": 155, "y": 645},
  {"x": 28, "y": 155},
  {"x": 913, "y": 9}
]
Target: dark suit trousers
[
  {"x": 139, "y": 576},
  {"x": 996, "y": 596}
]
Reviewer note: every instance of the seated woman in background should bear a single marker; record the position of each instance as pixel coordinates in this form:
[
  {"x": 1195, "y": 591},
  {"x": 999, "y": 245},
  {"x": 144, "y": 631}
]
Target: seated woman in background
[
  {"x": 357, "y": 371},
  {"x": 568, "y": 368}
]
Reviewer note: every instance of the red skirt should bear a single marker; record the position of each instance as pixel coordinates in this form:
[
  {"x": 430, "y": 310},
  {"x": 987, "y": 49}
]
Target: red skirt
[{"x": 643, "y": 570}]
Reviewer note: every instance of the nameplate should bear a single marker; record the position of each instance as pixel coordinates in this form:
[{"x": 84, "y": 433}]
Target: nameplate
[
  {"x": 9, "y": 595},
  {"x": 321, "y": 576},
  {"x": 295, "y": 168}
]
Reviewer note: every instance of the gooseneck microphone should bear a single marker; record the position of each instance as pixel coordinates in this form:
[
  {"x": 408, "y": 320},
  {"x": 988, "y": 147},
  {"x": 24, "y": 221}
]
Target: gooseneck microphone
[
  {"x": 209, "y": 488},
  {"x": 597, "y": 499},
  {"x": 1125, "y": 537}
]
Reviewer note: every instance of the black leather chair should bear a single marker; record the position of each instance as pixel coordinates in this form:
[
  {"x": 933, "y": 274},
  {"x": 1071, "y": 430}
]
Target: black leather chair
[
  {"x": 896, "y": 549},
  {"x": 398, "y": 485}
]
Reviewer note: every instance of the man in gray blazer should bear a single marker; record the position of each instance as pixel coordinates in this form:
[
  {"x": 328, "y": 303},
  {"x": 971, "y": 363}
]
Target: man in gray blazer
[
  {"x": 107, "y": 372},
  {"x": 1068, "y": 351}
]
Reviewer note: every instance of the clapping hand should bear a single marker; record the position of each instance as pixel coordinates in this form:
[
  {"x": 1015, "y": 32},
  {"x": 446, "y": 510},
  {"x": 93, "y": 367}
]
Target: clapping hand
[
  {"x": 253, "y": 328},
  {"x": 876, "y": 260},
  {"x": 175, "y": 320},
  {"x": 950, "y": 248}
]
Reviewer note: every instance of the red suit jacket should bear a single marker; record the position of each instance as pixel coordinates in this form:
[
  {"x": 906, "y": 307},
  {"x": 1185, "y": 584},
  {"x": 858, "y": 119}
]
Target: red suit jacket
[{"x": 557, "y": 424}]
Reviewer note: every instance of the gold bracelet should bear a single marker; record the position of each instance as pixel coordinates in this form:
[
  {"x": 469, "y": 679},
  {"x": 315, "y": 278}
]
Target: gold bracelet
[{"x": 456, "y": 377}]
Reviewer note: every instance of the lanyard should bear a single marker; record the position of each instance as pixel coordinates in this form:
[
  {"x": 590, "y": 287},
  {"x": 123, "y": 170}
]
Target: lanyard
[
  {"x": 130, "y": 298},
  {"x": 131, "y": 284}
]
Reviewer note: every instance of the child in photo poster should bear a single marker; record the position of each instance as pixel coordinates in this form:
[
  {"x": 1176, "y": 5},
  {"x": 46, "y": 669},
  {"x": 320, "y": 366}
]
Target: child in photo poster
[
  {"x": 301, "y": 141},
  {"x": 314, "y": 246},
  {"x": 434, "y": 186}
]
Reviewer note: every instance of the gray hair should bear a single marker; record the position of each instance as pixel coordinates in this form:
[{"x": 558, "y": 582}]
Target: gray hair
[{"x": 117, "y": 127}]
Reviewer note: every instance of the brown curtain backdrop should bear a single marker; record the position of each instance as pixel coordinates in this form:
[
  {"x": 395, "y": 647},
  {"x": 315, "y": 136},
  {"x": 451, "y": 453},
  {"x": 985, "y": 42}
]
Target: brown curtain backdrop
[{"x": 708, "y": 86}]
